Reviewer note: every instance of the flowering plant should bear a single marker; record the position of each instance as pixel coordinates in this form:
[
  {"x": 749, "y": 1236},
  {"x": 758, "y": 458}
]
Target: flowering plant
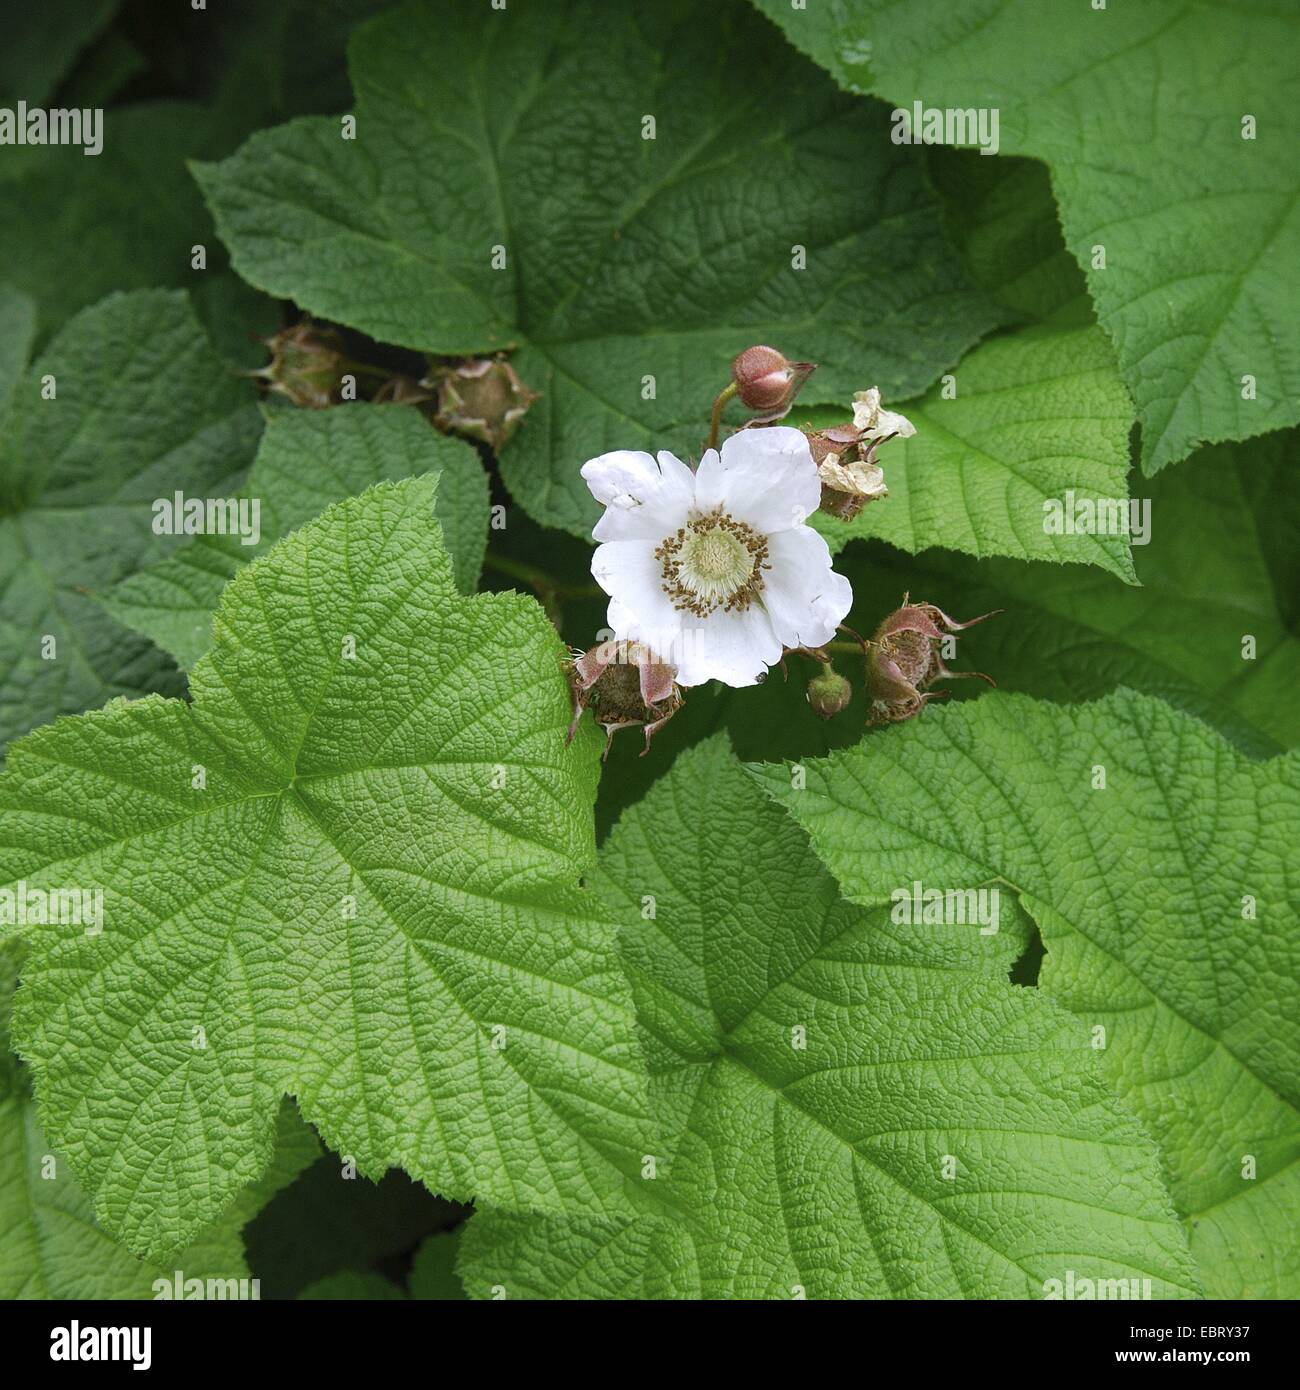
[{"x": 482, "y": 813}]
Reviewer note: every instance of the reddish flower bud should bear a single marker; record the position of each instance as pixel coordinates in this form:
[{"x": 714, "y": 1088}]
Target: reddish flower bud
[
  {"x": 766, "y": 381},
  {"x": 904, "y": 658},
  {"x": 829, "y": 693},
  {"x": 627, "y": 686}
]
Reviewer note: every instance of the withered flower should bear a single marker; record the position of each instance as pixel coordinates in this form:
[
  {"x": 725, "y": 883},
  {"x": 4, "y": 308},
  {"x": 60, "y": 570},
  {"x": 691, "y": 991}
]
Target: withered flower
[
  {"x": 626, "y": 686},
  {"x": 845, "y": 455},
  {"x": 481, "y": 397},
  {"x": 904, "y": 658},
  {"x": 306, "y": 365}
]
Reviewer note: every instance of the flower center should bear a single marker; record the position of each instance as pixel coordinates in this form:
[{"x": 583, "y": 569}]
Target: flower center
[{"x": 713, "y": 562}]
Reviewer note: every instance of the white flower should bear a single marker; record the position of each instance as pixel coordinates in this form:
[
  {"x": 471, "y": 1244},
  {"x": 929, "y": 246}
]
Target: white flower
[
  {"x": 716, "y": 570},
  {"x": 874, "y": 423}
]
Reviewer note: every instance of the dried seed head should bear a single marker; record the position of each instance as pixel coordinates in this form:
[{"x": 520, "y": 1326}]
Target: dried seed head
[
  {"x": 905, "y": 657},
  {"x": 481, "y": 397},
  {"x": 627, "y": 686},
  {"x": 306, "y": 365}
]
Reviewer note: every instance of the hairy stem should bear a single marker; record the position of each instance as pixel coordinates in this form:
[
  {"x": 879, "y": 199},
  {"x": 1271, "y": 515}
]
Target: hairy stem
[{"x": 715, "y": 420}]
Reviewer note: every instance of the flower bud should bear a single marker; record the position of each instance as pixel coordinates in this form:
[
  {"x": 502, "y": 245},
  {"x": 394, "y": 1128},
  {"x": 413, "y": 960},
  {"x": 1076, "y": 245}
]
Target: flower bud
[
  {"x": 829, "y": 693},
  {"x": 904, "y": 658},
  {"x": 481, "y": 397},
  {"x": 306, "y": 365},
  {"x": 767, "y": 382},
  {"x": 626, "y": 686}
]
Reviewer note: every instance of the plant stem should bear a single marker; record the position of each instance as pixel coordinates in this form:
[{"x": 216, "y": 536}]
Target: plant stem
[
  {"x": 537, "y": 578},
  {"x": 348, "y": 364},
  {"x": 715, "y": 420}
]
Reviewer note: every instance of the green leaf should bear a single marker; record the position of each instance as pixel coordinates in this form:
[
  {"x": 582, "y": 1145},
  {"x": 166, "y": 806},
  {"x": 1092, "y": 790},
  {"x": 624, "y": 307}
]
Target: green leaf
[
  {"x": 17, "y": 333},
  {"x": 143, "y": 407},
  {"x": 13, "y": 1076},
  {"x": 1141, "y": 121},
  {"x": 369, "y": 899},
  {"x": 1221, "y": 567},
  {"x": 433, "y": 1271},
  {"x": 1165, "y": 903},
  {"x": 133, "y": 203},
  {"x": 1037, "y": 414},
  {"x": 633, "y": 267},
  {"x": 1002, "y": 215},
  {"x": 52, "y": 1246},
  {"x": 353, "y": 1285},
  {"x": 132, "y": 213},
  {"x": 519, "y": 1257},
  {"x": 41, "y": 45},
  {"x": 815, "y": 1068},
  {"x": 308, "y": 459}
]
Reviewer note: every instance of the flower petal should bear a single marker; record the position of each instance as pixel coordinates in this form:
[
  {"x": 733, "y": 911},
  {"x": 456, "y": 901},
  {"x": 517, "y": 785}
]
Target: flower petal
[
  {"x": 805, "y": 598},
  {"x": 644, "y": 498},
  {"x": 735, "y": 648},
  {"x": 858, "y": 479},
  {"x": 876, "y": 423},
  {"x": 765, "y": 477},
  {"x": 629, "y": 572}
]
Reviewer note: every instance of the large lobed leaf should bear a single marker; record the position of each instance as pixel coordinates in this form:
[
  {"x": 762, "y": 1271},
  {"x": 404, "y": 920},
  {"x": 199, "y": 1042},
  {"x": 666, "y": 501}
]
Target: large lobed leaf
[
  {"x": 1027, "y": 418},
  {"x": 370, "y": 902},
  {"x": 306, "y": 460},
  {"x": 633, "y": 267},
  {"x": 941, "y": 1134},
  {"x": 1138, "y": 109},
  {"x": 133, "y": 211},
  {"x": 1167, "y": 901},
  {"x": 1211, "y": 629},
  {"x": 143, "y": 408},
  {"x": 50, "y": 1244},
  {"x": 1037, "y": 414}
]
